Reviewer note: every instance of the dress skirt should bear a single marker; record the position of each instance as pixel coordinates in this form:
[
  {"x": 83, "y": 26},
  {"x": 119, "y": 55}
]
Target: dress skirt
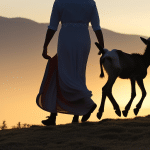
[{"x": 63, "y": 89}]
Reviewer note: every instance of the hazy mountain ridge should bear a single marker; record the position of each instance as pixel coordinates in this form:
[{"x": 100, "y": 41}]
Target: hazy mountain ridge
[
  {"x": 22, "y": 40},
  {"x": 14, "y": 30},
  {"x": 21, "y": 43}
]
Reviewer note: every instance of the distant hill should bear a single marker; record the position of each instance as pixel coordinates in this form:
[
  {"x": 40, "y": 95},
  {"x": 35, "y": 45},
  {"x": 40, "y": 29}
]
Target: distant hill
[
  {"x": 25, "y": 33},
  {"x": 21, "y": 43},
  {"x": 24, "y": 38}
]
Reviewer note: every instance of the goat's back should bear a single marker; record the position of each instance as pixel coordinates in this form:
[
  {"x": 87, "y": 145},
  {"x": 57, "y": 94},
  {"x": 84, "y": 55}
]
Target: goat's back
[{"x": 132, "y": 65}]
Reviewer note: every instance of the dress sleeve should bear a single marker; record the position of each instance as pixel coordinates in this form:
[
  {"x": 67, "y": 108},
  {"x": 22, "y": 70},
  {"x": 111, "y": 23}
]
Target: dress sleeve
[
  {"x": 55, "y": 17},
  {"x": 95, "y": 21}
]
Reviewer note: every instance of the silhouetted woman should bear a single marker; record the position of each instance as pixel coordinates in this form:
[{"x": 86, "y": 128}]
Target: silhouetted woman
[{"x": 63, "y": 88}]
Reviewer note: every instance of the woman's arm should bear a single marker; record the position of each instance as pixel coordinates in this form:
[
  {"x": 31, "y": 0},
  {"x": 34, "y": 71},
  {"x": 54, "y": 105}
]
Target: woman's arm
[
  {"x": 49, "y": 35},
  {"x": 99, "y": 36}
]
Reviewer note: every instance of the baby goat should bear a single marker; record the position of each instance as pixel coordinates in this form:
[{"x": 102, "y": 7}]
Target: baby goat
[{"x": 123, "y": 65}]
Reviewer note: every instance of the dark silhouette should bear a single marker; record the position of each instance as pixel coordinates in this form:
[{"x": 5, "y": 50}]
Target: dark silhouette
[
  {"x": 63, "y": 89},
  {"x": 133, "y": 66}
]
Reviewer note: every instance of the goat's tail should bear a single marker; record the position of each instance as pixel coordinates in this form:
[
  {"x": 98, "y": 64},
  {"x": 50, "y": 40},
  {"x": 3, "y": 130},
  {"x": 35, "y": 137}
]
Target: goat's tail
[{"x": 101, "y": 67}]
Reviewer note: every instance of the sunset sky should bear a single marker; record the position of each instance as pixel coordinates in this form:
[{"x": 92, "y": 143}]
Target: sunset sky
[{"x": 123, "y": 16}]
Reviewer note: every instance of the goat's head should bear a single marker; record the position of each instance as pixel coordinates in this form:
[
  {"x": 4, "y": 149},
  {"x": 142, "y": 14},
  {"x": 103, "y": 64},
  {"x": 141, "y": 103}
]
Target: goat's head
[
  {"x": 101, "y": 50},
  {"x": 146, "y": 41},
  {"x": 146, "y": 54}
]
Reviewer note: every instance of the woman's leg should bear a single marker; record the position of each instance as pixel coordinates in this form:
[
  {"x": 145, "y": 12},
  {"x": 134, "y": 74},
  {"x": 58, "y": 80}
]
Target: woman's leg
[
  {"x": 51, "y": 119},
  {"x": 75, "y": 119},
  {"x": 87, "y": 116}
]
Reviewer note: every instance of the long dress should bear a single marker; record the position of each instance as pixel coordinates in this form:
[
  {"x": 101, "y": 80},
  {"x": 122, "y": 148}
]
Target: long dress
[{"x": 63, "y": 89}]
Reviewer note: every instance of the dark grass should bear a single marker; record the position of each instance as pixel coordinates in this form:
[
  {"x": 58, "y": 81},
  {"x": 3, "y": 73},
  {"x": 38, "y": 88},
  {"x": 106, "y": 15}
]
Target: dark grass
[{"x": 107, "y": 134}]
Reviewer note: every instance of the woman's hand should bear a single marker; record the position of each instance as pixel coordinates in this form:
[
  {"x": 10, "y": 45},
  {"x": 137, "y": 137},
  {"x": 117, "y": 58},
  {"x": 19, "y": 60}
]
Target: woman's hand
[{"x": 44, "y": 54}]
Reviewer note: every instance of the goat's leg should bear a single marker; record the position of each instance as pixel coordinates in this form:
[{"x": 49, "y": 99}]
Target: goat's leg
[
  {"x": 138, "y": 106},
  {"x": 101, "y": 109},
  {"x": 108, "y": 89},
  {"x": 104, "y": 93},
  {"x": 133, "y": 94},
  {"x": 115, "y": 105}
]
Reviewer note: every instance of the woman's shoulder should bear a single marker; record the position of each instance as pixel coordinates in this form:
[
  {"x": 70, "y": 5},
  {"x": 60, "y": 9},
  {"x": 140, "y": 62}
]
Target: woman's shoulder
[{"x": 92, "y": 2}]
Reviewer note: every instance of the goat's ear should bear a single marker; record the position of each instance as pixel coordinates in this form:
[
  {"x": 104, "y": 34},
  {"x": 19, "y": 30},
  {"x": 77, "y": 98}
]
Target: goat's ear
[{"x": 144, "y": 40}]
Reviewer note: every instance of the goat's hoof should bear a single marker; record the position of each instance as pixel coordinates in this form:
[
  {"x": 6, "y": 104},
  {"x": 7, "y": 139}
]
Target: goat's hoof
[
  {"x": 136, "y": 110},
  {"x": 125, "y": 113},
  {"x": 118, "y": 112},
  {"x": 99, "y": 115}
]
